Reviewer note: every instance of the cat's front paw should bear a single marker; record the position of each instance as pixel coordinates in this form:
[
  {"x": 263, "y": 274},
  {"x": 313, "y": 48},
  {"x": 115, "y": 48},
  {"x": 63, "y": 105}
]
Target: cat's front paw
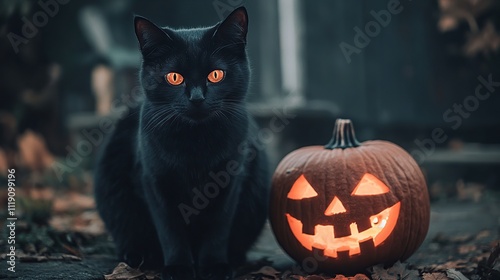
[
  {"x": 133, "y": 260},
  {"x": 177, "y": 272},
  {"x": 150, "y": 262},
  {"x": 217, "y": 272}
]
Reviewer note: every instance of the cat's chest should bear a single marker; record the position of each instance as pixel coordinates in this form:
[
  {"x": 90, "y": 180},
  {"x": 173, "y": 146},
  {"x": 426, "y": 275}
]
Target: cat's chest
[
  {"x": 184, "y": 176},
  {"x": 191, "y": 157}
]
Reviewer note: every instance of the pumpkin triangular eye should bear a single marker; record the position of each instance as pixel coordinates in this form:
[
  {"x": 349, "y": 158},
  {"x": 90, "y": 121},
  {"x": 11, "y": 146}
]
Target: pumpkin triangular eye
[
  {"x": 301, "y": 189},
  {"x": 370, "y": 185}
]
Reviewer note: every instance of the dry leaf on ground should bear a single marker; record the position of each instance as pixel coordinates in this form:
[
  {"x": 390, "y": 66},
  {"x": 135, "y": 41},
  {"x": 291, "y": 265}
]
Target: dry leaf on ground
[
  {"x": 434, "y": 276},
  {"x": 467, "y": 248},
  {"x": 34, "y": 152},
  {"x": 396, "y": 272},
  {"x": 73, "y": 201},
  {"x": 455, "y": 275},
  {"x": 450, "y": 265},
  {"x": 355, "y": 277},
  {"x": 314, "y": 277},
  {"x": 266, "y": 272},
  {"x": 124, "y": 272},
  {"x": 483, "y": 234}
]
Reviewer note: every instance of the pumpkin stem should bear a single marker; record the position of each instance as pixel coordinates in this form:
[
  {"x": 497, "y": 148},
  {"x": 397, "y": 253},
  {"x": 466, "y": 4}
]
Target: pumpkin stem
[{"x": 343, "y": 136}]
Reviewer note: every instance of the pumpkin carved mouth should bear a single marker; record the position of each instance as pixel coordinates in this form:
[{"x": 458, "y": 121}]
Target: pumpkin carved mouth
[{"x": 324, "y": 239}]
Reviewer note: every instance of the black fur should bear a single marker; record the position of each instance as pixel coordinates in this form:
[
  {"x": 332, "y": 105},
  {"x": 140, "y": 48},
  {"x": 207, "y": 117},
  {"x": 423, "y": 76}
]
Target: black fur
[{"x": 182, "y": 141}]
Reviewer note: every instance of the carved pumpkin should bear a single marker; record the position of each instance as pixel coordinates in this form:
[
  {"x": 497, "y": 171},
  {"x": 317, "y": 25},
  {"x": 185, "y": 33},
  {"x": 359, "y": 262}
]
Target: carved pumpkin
[{"x": 349, "y": 205}]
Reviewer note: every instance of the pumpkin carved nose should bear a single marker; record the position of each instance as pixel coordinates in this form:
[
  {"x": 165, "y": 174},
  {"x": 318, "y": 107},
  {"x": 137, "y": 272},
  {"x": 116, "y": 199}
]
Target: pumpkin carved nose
[{"x": 335, "y": 207}]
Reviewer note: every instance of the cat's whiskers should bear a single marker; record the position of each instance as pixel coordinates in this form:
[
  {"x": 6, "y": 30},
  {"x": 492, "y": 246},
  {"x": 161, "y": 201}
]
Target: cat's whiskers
[
  {"x": 160, "y": 118},
  {"x": 234, "y": 114},
  {"x": 235, "y": 109},
  {"x": 157, "y": 114},
  {"x": 162, "y": 122},
  {"x": 220, "y": 113}
]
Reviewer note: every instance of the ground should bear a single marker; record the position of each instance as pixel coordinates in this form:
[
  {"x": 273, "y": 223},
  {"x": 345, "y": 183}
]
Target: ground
[{"x": 74, "y": 245}]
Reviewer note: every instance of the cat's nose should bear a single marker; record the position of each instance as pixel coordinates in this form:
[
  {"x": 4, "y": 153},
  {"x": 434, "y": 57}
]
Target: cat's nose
[{"x": 196, "y": 95}]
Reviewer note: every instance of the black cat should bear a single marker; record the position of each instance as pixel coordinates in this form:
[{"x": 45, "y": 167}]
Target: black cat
[{"x": 181, "y": 184}]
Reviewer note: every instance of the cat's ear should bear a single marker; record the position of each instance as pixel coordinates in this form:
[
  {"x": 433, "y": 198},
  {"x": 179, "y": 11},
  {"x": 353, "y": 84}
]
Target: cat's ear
[
  {"x": 234, "y": 28},
  {"x": 148, "y": 33}
]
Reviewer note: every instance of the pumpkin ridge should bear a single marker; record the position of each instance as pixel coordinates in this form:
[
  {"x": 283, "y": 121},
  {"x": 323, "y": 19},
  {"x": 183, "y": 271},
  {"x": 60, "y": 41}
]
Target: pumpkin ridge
[
  {"x": 424, "y": 198},
  {"x": 410, "y": 243},
  {"x": 406, "y": 226},
  {"x": 410, "y": 246}
]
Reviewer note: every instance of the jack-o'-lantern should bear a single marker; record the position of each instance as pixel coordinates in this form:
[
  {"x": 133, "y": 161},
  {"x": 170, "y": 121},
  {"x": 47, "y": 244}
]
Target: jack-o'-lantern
[{"x": 346, "y": 206}]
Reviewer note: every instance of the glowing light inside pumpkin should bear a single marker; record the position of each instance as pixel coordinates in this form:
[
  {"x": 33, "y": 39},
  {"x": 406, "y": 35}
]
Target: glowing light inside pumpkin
[
  {"x": 301, "y": 189},
  {"x": 324, "y": 239},
  {"x": 370, "y": 185},
  {"x": 335, "y": 207}
]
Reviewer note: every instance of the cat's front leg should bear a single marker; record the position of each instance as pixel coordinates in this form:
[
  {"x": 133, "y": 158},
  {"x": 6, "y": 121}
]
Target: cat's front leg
[
  {"x": 172, "y": 234},
  {"x": 213, "y": 253}
]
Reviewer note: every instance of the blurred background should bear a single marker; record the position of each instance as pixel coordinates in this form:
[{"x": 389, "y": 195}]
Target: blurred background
[
  {"x": 422, "y": 74},
  {"x": 399, "y": 69}
]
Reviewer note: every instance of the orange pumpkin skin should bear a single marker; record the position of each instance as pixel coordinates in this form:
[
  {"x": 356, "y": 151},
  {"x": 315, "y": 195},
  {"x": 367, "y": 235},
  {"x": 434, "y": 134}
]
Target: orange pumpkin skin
[{"x": 372, "y": 196}]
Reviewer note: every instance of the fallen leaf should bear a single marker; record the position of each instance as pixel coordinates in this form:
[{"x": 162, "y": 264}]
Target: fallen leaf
[
  {"x": 62, "y": 257},
  {"x": 379, "y": 273},
  {"x": 34, "y": 152},
  {"x": 458, "y": 11},
  {"x": 396, "y": 272},
  {"x": 481, "y": 257},
  {"x": 70, "y": 257},
  {"x": 28, "y": 258},
  {"x": 243, "y": 272},
  {"x": 483, "y": 234},
  {"x": 294, "y": 277},
  {"x": 434, "y": 276},
  {"x": 450, "y": 265},
  {"x": 360, "y": 277},
  {"x": 465, "y": 249},
  {"x": 355, "y": 277},
  {"x": 124, "y": 272},
  {"x": 443, "y": 239},
  {"x": 42, "y": 193},
  {"x": 70, "y": 249},
  {"x": 486, "y": 41},
  {"x": 314, "y": 277},
  {"x": 266, "y": 272},
  {"x": 462, "y": 238},
  {"x": 455, "y": 275},
  {"x": 73, "y": 201},
  {"x": 447, "y": 23}
]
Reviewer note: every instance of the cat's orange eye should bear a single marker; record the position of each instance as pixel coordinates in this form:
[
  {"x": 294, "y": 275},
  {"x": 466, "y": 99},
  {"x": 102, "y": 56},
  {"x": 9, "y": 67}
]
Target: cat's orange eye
[
  {"x": 216, "y": 76},
  {"x": 174, "y": 78}
]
